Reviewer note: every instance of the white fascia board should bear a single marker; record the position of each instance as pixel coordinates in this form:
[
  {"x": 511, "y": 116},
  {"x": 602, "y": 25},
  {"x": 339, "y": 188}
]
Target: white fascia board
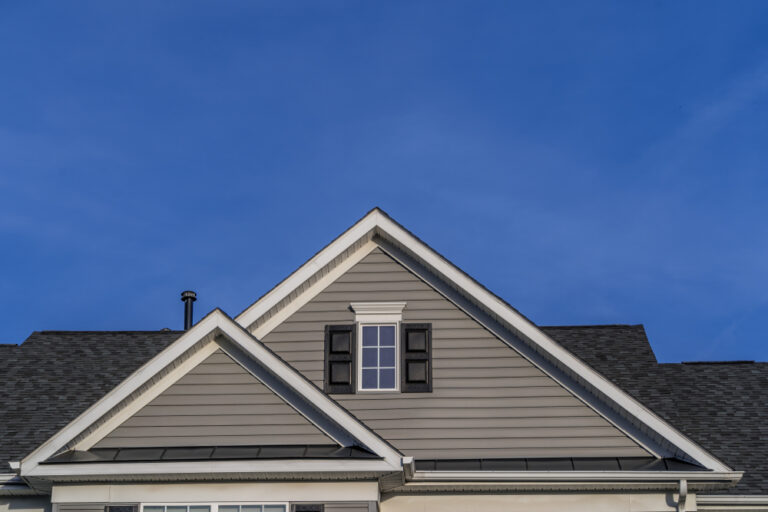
[
  {"x": 530, "y": 331},
  {"x": 123, "y": 390},
  {"x": 312, "y": 393},
  {"x": 292, "y": 466},
  {"x": 214, "y": 322},
  {"x": 378, "y": 220},
  {"x": 574, "y": 476},
  {"x": 308, "y": 269}
]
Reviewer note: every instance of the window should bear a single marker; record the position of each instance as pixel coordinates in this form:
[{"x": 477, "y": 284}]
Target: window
[
  {"x": 177, "y": 508},
  {"x": 235, "y": 507},
  {"x": 378, "y": 368}
]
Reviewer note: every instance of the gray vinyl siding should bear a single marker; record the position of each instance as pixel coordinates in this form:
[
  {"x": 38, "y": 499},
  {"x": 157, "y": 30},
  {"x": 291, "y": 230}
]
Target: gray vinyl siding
[
  {"x": 218, "y": 403},
  {"x": 487, "y": 400}
]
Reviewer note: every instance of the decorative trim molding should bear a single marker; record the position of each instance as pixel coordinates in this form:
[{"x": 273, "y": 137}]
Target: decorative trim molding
[{"x": 378, "y": 312}]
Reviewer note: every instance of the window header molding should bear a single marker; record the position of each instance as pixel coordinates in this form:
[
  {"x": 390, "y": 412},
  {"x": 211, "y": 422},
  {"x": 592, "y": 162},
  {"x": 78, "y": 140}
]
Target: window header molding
[{"x": 374, "y": 312}]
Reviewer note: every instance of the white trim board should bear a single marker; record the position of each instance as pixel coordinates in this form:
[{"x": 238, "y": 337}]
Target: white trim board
[
  {"x": 214, "y": 324},
  {"x": 380, "y": 223},
  {"x": 217, "y": 492},
  {"x": 209, "y": 467}
]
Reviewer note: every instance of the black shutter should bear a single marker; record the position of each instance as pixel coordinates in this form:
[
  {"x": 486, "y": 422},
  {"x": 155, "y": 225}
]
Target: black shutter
[
  {"x": 340, "y": 359},
  {"x": 416, "y": 358}
]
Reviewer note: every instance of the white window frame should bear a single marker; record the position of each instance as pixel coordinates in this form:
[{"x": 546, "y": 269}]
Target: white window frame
[
  {"x": 377, "y": 313},
  {"x": 214, "y": 507},
  {"x": 360, "y": 387}
]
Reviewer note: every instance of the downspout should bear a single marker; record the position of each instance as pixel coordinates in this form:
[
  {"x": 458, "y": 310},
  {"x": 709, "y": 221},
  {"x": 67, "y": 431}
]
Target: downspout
[{"x": 682, "y": 500}]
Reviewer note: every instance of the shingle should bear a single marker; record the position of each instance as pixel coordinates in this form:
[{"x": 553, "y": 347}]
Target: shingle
[
  {"x": 53, "y": 376},
  {"x": 721, "y": 406}
]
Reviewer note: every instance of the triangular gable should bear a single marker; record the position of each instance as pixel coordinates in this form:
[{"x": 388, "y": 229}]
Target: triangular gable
[
  {"x": 487, "y": 400},
  {"x": 218, "y": 403},
  {"x": 378, "y": 229},
  {"x": 213, "y": 335}
]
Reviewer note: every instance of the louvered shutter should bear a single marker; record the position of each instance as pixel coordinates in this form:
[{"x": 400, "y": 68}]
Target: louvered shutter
[
  {"x": 340, "y": 359},
  {"x": 416, "y": 358}
]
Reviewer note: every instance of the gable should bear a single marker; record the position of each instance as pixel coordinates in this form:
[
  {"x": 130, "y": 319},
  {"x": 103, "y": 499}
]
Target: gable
[
  {"x": 78, "y": 450},
  {"x": 487, "y": 400},
  {"x": 218, "y": 403}
]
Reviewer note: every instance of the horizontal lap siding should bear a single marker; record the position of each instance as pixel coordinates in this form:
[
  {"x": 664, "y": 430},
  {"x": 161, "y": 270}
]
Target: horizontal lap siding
[
  {"x": 487, "y": 400},
  {"x": 218, "y": 403}
]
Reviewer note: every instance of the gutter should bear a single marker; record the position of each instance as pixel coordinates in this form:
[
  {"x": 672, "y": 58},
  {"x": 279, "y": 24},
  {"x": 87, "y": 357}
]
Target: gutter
[
  {"x": 680, "y": 482},
  {"x": 576, "y": 476},
  {"x": 735, "y": 502}
]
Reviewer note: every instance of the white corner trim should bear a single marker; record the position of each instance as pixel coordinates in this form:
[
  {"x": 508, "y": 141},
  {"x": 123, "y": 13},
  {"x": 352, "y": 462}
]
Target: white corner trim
[
  {"x": 308, "y": 294},
  {"x": 214, "y": 322},
  {"x": 384, "y": 225}
]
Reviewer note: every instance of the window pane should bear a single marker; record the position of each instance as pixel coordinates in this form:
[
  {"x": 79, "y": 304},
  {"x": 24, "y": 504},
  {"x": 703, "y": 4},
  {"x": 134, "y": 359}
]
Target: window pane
[
  {"x": 370, "y": 358},
  {"x": 387, "y": 335},
  {"x": 176, "y": 508},
  {"x": 249, "y": 508},
  {"x": 199, "y": 508},
  {"x": 387, "y": 356},
  {"x": 387, "y": 377},
  {"x": 369, "y": 336},
  {"x": 228, "y": 508},
  {"x": 274, "y": 508},
  {"x": 369, "y": 379},
  {"x": 154, "y": 509}
]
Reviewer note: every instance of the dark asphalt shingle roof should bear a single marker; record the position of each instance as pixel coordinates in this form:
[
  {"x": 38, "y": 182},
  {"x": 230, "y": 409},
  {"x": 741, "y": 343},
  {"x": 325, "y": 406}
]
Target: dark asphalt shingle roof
[
  {"x": 54, "y": 376},
  {"x": 721, "y": 406}
]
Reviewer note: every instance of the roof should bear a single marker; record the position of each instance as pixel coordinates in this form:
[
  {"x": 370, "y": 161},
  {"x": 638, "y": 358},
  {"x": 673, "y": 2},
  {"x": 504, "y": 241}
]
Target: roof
[
  {"x": 54, "y": 376},
  {"x": 558, "y": 464},
  {"x": 319, "y": 451},
  {"x": 720, "y": 405}
]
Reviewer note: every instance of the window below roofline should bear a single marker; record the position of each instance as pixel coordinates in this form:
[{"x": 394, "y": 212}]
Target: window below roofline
[
  {"x": 378, "y": 358},
  {"x": 224, "y": 506},
  {"x": 377, "y": 327}
]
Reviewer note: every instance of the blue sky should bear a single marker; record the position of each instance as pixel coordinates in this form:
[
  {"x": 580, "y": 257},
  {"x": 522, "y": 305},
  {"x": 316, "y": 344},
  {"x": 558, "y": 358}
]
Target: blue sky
[{"x": 590, "y": 162}]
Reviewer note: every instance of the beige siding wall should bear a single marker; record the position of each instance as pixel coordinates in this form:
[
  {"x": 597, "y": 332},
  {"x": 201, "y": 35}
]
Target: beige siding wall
[
  {"x": 487, "y": 400},
  {"x": 352, "y": 506},
  {"x": 25, "y": 504},
  {"x": 218, "y": 403}
]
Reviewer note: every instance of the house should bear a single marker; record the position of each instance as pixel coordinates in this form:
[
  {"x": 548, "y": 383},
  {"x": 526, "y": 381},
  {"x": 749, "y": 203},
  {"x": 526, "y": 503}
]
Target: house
[{"x": 376, "y": 377}]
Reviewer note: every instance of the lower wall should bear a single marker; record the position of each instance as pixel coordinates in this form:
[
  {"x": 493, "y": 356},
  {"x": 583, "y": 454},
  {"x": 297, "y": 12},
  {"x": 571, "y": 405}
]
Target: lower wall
[
  {"x": 536, "y": 503},
  {"x": 25, "y": 504}
]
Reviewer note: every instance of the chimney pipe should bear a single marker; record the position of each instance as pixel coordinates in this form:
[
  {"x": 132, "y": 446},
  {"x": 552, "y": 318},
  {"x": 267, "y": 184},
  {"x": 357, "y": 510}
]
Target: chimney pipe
[{"x": 188, "y": 297}]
